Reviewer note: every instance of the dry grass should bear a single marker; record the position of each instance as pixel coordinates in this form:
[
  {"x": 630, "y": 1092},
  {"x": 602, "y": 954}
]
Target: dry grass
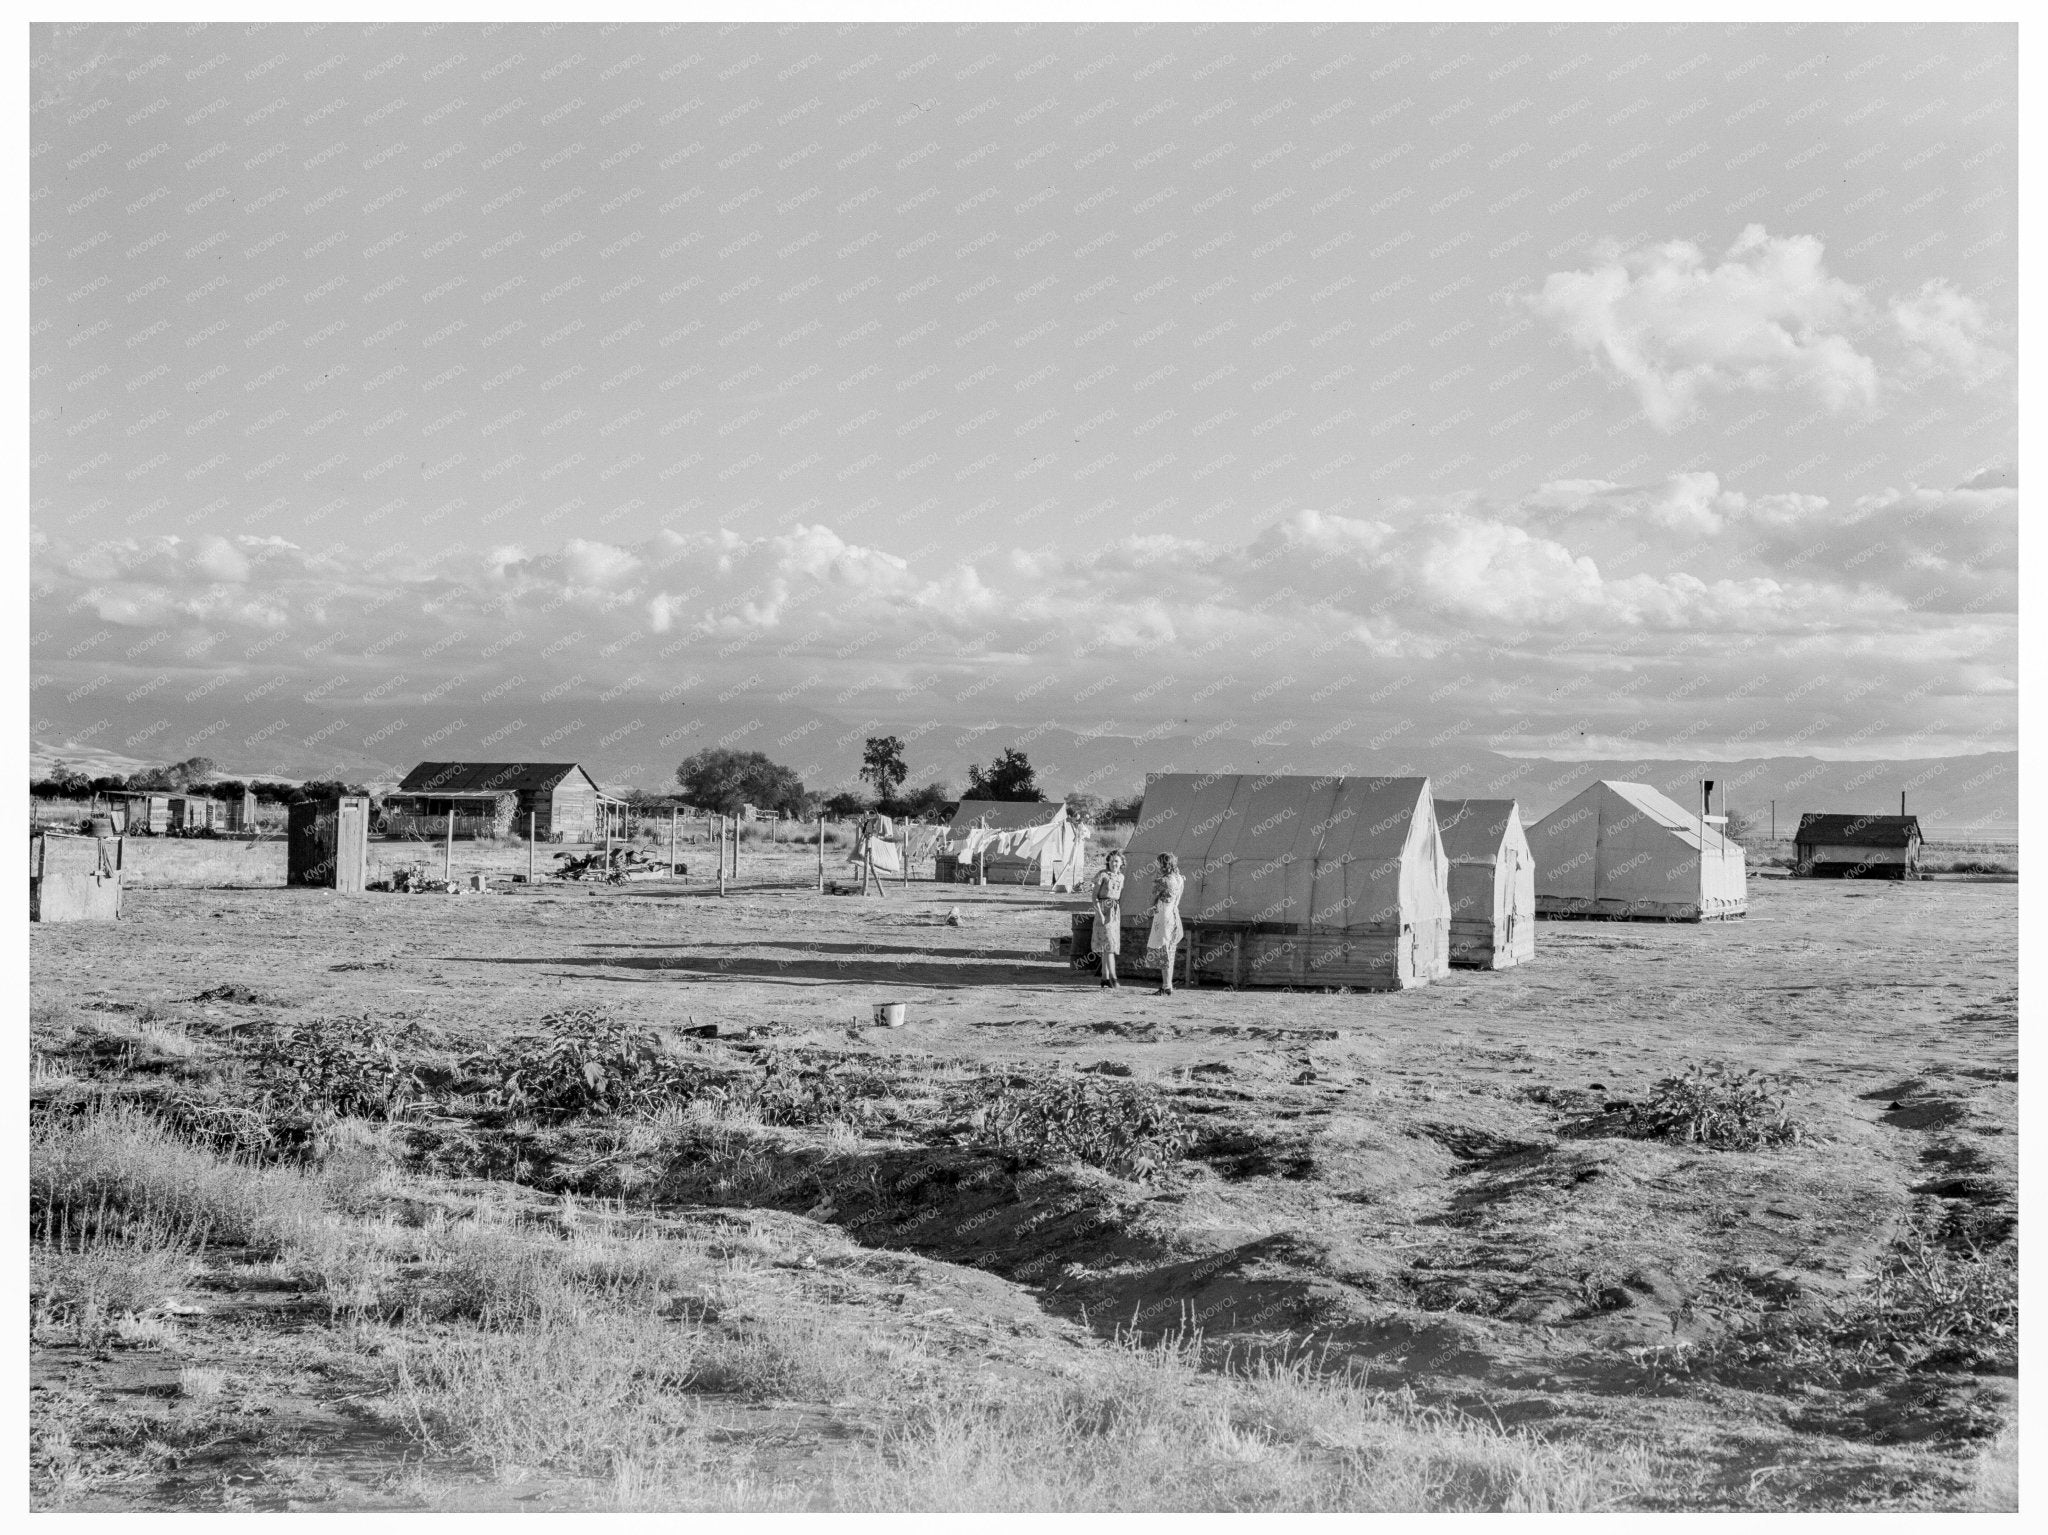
[
  {"x": 115, "y": 1170},
  {"x": 1151, "y": 1431},
  {"x": 616, "y": 1355}
]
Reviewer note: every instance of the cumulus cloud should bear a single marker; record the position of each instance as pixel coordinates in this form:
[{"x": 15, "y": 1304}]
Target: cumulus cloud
[
  {"x": 1948, "y": 332},
  {"x": 1767, "y": 319},
  {"x": 1483, "y": 606}
]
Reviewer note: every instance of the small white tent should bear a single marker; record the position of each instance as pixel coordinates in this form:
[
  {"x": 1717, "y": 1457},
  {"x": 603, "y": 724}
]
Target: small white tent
[
  {"x": 1015, "y": 842},
  {"x": 1492, "y": 883},
  {"x": 1295, "y": 880},
  {"x": 1624, "y": 850}
]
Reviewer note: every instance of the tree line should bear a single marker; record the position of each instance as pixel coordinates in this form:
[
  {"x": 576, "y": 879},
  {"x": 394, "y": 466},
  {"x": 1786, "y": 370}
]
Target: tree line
[
  {"x": 194, "y": 775},
  {"x": 718, "y": 779}
]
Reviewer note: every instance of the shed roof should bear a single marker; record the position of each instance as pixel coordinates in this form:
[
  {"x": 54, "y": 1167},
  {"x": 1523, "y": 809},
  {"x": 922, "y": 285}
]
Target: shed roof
[
  {"x": 1859, "y": 830},
  {"x": 487, "y": 777},
  {"x": 1473, "y": 829},
  {"x": 1006, "y": 814}
]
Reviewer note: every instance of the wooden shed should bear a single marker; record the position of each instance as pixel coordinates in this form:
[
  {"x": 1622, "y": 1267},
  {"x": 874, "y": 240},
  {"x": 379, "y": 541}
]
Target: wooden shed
[
  {"x": 1295, "y": 880},
  {"x": 192, "y": 814},
  {"x": 141, "y": 815},
  {"x": 563, "y": 800},
  {"x": 1492, "y": 883},
  {"x": 327, "y": 843},
  {"x": 1830, "y": 846}
]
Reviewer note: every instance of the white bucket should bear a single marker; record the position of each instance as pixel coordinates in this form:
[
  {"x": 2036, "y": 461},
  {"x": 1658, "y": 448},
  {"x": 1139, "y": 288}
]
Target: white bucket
[{"x": 889, "y": 1015}]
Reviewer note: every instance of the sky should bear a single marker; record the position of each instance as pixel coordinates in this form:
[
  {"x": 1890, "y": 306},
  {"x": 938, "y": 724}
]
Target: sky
[{"x": 609, "y": 392}]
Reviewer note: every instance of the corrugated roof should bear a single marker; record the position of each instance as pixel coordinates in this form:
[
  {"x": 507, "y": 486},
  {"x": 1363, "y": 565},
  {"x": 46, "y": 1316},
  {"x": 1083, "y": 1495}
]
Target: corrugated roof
[
  {"x": 486, "y": 777},
  {"x": 1472, "y": 829},
  {"x": 1006, "y": 814},
  {"x": 1859, "y": 830}
]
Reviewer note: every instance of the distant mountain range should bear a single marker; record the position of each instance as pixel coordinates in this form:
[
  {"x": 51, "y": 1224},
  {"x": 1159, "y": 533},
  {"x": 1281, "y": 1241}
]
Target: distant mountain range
[{"x": 1967, "y": 795}]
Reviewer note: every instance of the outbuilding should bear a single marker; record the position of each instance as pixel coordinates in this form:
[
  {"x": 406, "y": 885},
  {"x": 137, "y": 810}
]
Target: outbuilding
[
  {"x": 1013, "y": 842},
  {"x": 1832, "y": 846},
  {"x": 1295, "y": 880},
  {"x": 495, "y": 798},
  {"x": 1625, "y": 850},
  {"x": 1492, "y": 882}
]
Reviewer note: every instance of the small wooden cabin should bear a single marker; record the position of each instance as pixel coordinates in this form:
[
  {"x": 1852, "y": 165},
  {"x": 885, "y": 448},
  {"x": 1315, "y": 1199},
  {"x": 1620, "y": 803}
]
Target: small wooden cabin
[
  {"x": 1492, "y": 883},
  {"x": 563, "y": 800},
  {"x": 1830, "y": 846}
]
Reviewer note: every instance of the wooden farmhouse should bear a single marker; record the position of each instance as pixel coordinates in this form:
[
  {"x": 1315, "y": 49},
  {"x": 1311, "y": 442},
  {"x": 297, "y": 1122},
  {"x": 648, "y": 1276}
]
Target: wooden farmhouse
[
  {"x": 1013, "y": 842},
  {"x": 1858, "y": 846},
  {"x": 1623, "y": 850},
  {"x": 1295, "y": 880},
  {"x": 1492, "y": 883},
  {"x": 494, "y": 799}
]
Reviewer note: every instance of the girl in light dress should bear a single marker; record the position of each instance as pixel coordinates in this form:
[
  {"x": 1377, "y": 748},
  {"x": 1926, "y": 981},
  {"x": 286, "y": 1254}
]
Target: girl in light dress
[
  {"x": 1109, "y": 914},
  {"x": 1164, "y": 937}
]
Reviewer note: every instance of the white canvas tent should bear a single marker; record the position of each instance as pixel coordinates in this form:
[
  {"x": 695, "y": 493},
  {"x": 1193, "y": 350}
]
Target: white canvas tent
[
  {"x": 1295, "y": 880},
  {"x": 1492, "y": 883},
  {"x": 1014, "y": 842},
  {"x": 1624, "y": 850}
]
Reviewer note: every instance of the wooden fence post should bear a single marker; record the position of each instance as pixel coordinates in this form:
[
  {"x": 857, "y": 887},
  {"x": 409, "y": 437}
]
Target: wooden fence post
[
  {"x": 529, "y": 846},
  {"x": 821, "y": 853},
  {"x": 671, "y": 842},
  {"x": 721, "y": 855},
  {"x": 448, "y": 851}
]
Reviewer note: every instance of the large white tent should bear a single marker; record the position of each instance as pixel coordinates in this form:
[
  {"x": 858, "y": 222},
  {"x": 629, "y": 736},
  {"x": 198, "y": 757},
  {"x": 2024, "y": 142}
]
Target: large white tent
[
  {"x": 1624, "y": 850},
  {"x": 1014, "y": 842},
  {"x": 1295, "y": 880},
  {"x": 1492, "y": 882}
]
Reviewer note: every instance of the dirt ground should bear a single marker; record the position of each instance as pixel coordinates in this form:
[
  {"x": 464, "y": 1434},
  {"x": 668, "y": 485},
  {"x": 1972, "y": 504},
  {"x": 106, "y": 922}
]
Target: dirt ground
[{"x": 1414, "y": 1181}]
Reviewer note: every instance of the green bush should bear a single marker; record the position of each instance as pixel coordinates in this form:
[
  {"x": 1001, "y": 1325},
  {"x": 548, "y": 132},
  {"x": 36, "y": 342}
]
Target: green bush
[
  {"x": 341, "y": 1067},
  {"x": 1122, "y": 1127},
  {"x": 1711, "y": 1105}
]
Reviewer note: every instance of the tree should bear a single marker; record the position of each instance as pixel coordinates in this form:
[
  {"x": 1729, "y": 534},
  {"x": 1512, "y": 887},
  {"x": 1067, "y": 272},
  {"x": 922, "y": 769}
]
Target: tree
[
  {"x": 882, "y": 765},
  {"x": 722, "y": 780},
  {"x": 63, "y": 782},
  {"x": 933, "y": 802},
  {"x": 844, "y": 806},
  {"x": 1085, "y": 808},
  {"x": 1009, "y": 777},
  {"x": 192, "y": 772},
  {"x": 1122, "y": 812},
  {"x": 326, "y": 788},
  {"x": 1744, "y": 827}
]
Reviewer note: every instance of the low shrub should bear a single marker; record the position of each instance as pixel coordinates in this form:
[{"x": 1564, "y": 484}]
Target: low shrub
[
  {"x": 1122, "y": 1127},
  {"x": 1931, "y": 1304},
  {"x": 1712, "y": 1105},
  {"x": 355, "y": 1067},
  {"x": 585, "y": 1063}
]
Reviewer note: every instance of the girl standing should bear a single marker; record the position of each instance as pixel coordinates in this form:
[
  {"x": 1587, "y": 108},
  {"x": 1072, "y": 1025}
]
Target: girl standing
[
  {"x": 1109, "y": 914},
  {"x": 1163, "y": 940}
]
